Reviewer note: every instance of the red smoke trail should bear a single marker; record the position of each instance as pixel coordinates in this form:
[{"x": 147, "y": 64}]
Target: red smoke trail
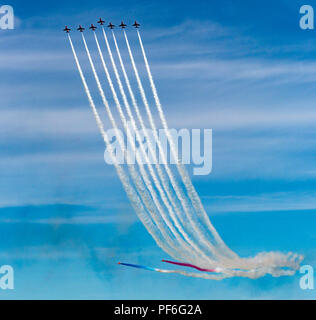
[{"x": 189, "y": 265}]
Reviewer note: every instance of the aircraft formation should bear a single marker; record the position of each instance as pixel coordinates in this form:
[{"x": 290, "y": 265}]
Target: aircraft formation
[
  {"x": 164, "y": 199},
  {"x": 101, "y": 23}
]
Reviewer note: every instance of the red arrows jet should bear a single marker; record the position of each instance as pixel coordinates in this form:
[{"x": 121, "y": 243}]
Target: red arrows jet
[
  {"x": 122, "y": 25},
  {"x": 136, "y": 25},
  {"x": 92, "y": 27},
  {"x": 67, "y": 30},
  {"x": 111, "y": 26},
  {"x": 81, "y": 29},
  {"x": 101, "y": 22}
]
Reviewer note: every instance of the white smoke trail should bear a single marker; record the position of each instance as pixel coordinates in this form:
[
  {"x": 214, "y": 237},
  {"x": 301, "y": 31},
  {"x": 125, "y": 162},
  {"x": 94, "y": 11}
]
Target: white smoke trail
[
  {"x": 152, "y": 152},
  {"x": 130, "y": 191},
  {"x": 135, "y": 177},
  {"x": 197, "y": 233},
  {"x": 226, "y": 273},
  {"x": 261, "y": 264},
  {"x": 182, "y": 171},
  {"x": 274, "y": 263},
  {"x": 161, "y": 191},
  {"x": 161, "y": 174},
  {"x": 199, "y": 209}
]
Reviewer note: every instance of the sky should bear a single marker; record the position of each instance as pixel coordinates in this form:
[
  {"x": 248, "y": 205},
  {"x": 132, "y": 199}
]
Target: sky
[{"x": 242, "y": 68}]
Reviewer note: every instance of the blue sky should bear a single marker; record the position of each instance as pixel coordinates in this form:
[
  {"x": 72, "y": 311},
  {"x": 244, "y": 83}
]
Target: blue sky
[{"x": 243, "y": 68}]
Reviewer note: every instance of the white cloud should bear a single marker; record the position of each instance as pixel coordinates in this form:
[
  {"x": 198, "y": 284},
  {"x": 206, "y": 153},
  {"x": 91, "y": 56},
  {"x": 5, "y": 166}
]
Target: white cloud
[
  {"x": 41, "y": 252},
  {"x": 244, "y": 117},
  {"x": 239, "y": 69},
  {"x": 52, "y": 121},
  {"x": 77, "y": 220},
  {"x": 278, "y": 201}
]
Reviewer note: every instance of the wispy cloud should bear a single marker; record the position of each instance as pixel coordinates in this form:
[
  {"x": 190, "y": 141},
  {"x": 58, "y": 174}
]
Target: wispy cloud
[
  {"x": 243, "y": 69},
  {"x": 244, "y": 117},
  {"x": 54, "y": 121},
  {"x": 79, "y": 220},
  {"x": 266, "y": 202},
  {"x": 48, "y": 252}
]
